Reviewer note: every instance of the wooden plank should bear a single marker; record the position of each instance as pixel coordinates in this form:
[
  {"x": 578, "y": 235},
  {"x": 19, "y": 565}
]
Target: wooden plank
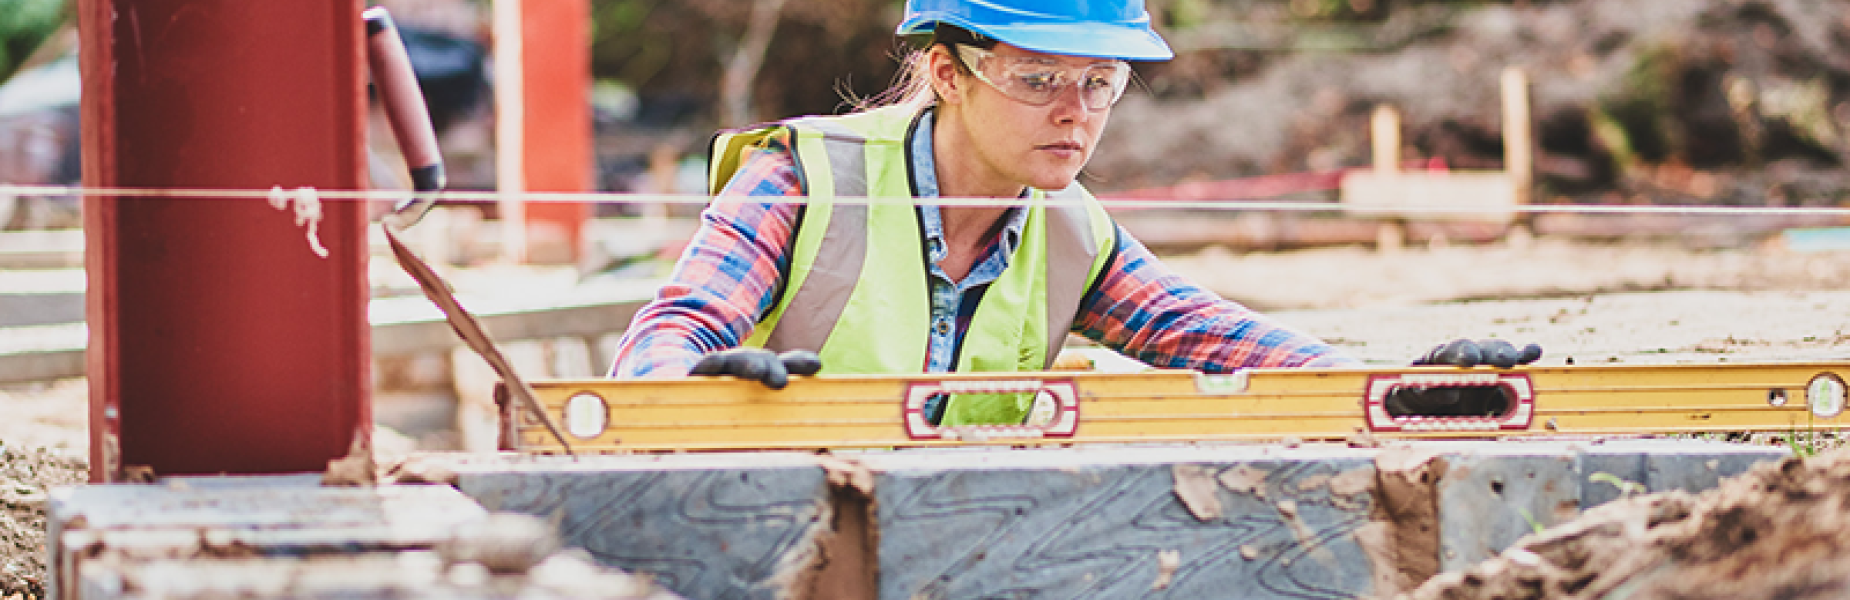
[
  {"x": 41, "y": 249},
  {"x": 1477, "y": 196},
  {"x": 401, "y": 326}
]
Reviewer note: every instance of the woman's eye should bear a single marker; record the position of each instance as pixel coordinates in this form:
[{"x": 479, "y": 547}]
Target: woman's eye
[{"x": 1039, "y": 81}]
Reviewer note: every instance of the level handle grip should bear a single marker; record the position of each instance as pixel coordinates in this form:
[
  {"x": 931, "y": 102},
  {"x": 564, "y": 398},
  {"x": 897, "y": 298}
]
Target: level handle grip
[{"x": 397, "y": 85}]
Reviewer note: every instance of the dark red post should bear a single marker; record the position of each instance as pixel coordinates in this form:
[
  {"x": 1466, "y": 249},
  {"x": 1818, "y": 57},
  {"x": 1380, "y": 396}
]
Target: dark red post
[{"x": 219, "y": 341}]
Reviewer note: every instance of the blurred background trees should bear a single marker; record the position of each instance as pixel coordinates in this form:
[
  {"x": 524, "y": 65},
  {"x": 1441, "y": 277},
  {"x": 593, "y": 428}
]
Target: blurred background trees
[
  {"x": 1704, "y": 101},
  {"x": 24, "y": 24},
  {"x": 1635, "y": 101}
]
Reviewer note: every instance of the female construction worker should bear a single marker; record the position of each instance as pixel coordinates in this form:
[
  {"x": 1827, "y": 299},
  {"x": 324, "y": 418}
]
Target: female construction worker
[{"x": 1005, "y": 101}]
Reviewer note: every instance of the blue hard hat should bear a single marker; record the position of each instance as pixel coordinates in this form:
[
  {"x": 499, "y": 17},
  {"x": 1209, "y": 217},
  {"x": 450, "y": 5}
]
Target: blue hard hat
[{"x": 1100, "y": 28}]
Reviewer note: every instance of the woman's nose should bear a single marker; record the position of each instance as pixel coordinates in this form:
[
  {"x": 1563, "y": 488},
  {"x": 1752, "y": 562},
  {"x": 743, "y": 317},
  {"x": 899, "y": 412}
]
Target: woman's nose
[{"x": 1069, "y": 106}]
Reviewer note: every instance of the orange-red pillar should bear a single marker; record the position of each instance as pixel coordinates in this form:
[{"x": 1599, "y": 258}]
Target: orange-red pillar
[
  {"x": 219, "y": 340},
  {"x": 555, "y": 134}
]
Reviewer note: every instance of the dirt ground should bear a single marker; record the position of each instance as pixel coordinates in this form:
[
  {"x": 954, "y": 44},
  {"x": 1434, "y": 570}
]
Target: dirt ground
[
  {"x": 26, "y": 474},
  {"x": 1779, "y": 531},
  {"x": 1640, "y": 302}
]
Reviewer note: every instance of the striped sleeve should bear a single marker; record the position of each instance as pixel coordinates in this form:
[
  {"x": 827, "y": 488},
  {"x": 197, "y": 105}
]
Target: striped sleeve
[
  {"x": 1145, "y": 311},
  {"x": 726, "y": 279}
]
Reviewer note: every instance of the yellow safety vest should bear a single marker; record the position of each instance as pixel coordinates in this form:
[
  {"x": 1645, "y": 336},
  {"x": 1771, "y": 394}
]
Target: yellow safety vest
[{"x": 870, "y": 282}]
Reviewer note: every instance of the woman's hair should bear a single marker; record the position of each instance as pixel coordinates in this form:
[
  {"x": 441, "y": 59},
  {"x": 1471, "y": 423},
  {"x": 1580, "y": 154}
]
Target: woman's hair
[{"x": 911, "y": 87}]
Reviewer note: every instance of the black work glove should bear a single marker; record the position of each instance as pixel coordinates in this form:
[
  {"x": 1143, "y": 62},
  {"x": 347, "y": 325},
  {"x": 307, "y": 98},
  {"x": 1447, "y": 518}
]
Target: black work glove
[
  {"x": 1442, "y": 401},
  {"x": 1494, "y": 352},
  {"x": 760, "y": 365}
]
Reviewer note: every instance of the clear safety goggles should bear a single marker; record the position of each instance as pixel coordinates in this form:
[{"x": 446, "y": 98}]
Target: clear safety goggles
[{"x": 1038, "y": 81}]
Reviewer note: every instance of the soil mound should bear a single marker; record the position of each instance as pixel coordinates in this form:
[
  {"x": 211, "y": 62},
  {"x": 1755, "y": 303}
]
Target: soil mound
[
  {"x": 1778, "y": 531},
  {"x": 25, "y": 477}
]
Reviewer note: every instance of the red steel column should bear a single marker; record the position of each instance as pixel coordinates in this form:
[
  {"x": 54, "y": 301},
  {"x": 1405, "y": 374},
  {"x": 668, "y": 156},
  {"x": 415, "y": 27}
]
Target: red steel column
[
  {"x": 556, "y": 59},
  {"x": 219, "y": 341}
]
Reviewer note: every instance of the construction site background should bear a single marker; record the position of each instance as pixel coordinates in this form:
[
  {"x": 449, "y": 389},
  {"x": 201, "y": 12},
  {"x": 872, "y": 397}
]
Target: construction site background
[{"x": 1635, "y": 103}]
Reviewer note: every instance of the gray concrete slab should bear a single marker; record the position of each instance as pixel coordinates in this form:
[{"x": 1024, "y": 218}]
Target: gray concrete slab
[
  {"x": 1182, "y": 522},
  {"x": 204, "y": 517},
  {"x": 1493, "y": 493},
  {"x": 704, "y": 526},
  {"x": 1106, "y": 521},
  {"x": 408, "y": 575},
  {"x": 1690, "y": 465}
]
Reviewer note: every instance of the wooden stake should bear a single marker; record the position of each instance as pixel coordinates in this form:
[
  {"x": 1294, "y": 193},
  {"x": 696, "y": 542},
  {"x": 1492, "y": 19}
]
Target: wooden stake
[
  {"x": 1518, "y": 147},
  {"x": 1384, "y": 132},
  {"x": 510, "y": 115}
]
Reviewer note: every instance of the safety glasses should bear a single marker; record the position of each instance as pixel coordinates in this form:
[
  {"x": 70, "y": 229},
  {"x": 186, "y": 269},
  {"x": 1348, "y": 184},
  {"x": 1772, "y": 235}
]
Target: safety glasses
[{"x": 1038, "y": 81}]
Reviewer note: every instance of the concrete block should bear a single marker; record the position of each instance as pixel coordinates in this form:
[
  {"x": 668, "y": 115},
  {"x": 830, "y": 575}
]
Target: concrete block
[
  {"x": 1664, "y": 465},
  {"x": 1704, "y": 467},
  {"x": 207, "y": 517},
  {"x": 1171, "y": 522},
  {"x": 1491, "y": 494},
  {"x": 409, "y": 575},
  {"x": 701, "y": 525}
]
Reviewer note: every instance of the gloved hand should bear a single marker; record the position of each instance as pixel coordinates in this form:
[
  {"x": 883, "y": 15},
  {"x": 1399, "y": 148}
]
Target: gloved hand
[
  {"x": 1494, "y": 352},
  {"x": 1462, "y": 401},
  {"x": 758, "y": 364}
]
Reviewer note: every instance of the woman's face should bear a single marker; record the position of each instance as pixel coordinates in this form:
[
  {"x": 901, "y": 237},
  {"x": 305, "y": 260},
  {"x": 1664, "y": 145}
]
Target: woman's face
[{"x": 1031, "y": 119}]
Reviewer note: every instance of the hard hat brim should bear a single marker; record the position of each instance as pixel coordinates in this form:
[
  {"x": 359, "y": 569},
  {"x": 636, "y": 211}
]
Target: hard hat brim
[{"x": 1072, "y": 39}]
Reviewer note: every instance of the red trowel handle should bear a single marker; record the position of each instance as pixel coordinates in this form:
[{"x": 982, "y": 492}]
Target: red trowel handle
[{"x": 404, "y": 107}]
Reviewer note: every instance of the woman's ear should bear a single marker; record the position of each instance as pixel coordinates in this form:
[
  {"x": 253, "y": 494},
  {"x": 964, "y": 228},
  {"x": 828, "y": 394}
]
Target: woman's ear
[{"x": 941, "y": 69}]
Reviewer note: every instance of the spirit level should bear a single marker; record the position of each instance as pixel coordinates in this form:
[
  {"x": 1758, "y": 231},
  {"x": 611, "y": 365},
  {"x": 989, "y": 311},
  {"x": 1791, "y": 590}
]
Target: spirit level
[{"x": 871, "y": 411}]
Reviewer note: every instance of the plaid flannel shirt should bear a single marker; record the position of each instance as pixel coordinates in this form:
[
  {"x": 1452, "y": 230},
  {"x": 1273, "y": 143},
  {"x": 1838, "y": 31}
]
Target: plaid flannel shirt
[{"x": 729, "y": 277}]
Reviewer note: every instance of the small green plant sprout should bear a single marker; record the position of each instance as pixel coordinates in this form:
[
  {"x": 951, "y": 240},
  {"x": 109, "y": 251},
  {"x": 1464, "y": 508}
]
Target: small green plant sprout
[
  {"x": 1803, "y": 449},
  {"x": 1627, "y": 489},
  {"x": 1534, "y": 525}
]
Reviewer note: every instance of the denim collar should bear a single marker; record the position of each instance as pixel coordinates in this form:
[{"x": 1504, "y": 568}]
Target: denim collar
[{"x": 925, "y": 179}]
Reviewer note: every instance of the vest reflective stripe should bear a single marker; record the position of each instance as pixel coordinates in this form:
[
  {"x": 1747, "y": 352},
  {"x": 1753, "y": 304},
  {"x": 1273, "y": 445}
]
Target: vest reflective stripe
[
  {"x": 1076, "y": 235},
  {"x": 872, "y": 280},
  {"x": 882, "y": 272},
  {"x": 844, "y": 234}
]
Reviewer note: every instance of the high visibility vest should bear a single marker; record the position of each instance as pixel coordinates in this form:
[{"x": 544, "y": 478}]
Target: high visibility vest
[{"x": 857, "y": 291}]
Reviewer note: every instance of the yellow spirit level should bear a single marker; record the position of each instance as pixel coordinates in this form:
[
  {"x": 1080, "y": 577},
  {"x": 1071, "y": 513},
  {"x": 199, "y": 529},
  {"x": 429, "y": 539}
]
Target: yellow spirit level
[{"x": 874, "y": 411}]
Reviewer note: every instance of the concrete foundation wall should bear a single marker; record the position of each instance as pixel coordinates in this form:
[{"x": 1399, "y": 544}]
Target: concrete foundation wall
[
  {"x": 1246, "y": 521},
  {"x": 1137, "y": 523},
  {"x": 1249, "y": 521},
  {"x": 705, "y": 526}
]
